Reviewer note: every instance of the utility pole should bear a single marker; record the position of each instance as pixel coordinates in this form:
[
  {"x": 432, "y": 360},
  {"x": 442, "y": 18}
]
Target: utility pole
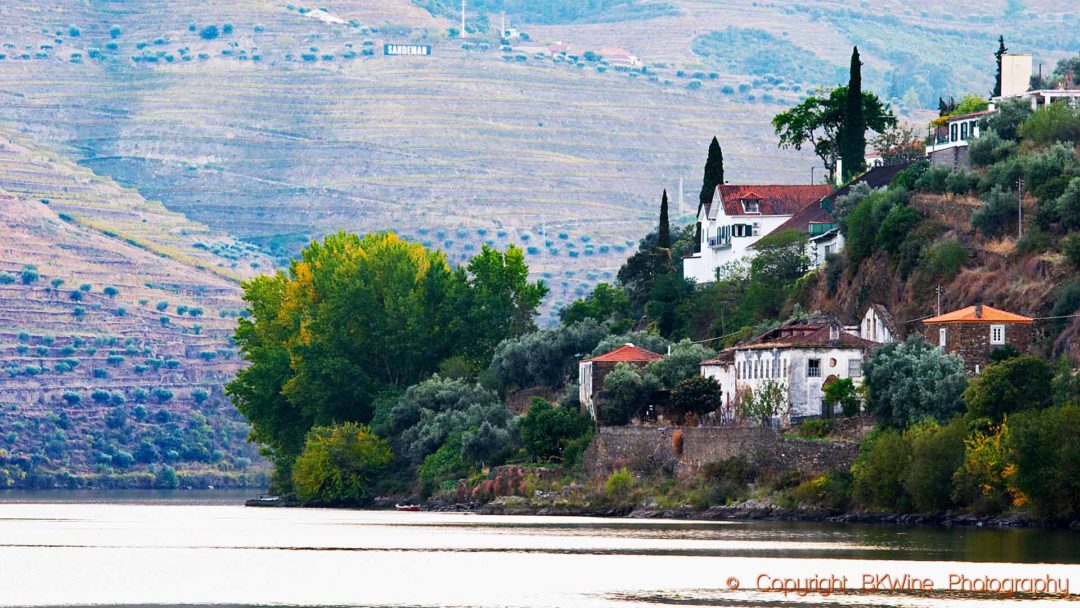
[
  {"x": 939, "y": 291},
  {"x": 1020, "y": 208}
]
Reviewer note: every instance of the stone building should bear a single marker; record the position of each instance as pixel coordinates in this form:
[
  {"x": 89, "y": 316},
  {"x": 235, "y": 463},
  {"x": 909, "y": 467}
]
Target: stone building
[
  {"x": 592, "y": 371},
  {"x": 976, "y": 331}
]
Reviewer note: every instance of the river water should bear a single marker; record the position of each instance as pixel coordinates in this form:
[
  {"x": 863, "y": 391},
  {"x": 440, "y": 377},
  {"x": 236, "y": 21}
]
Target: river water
[{"x": 204, "y": 548}]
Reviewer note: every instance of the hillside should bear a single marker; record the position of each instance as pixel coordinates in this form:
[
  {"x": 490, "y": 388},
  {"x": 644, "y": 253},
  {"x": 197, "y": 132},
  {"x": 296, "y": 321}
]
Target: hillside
[
  {"x": 288, "y": 123},
  {"x": 114, "y": 342}
]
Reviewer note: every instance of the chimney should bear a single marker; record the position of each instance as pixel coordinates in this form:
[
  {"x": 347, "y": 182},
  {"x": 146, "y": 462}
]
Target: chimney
[
  {"x": 978, "y": 311},
  {"x": 834, "y": 332}
]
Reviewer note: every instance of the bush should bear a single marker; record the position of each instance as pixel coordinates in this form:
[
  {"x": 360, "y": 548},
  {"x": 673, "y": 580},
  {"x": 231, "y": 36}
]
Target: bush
[
  {"x": 831, "y": 491},
  {"x": 1053, "y": 123},
  {"x": 545, "y": 430},
  {"x": 899, "y": 222},
  {"x": 943, "y": 260},
  {"x": 1043, "y": 448},
  {"x": 933, "y": 180},
  {"x": 842, "y": 393},
  {"x": 620, "y": 485},
  {"x": 961, "y": 182},
  {"x": 990, "y": 148},
  {"x": 1068, "y": 205},
  {"x": 29, "y": 274},
  {"x": 997, "y": 213},
  {"x": 937, "y": 453},
  {"x": 1015, "y": 384},
  {"x": 683, "y": 362},
  {"x": 340, "y": 463},
  {"x": 1067, "y": 303},
  {"x": 100, "y": 396},
  {"x": 110, "y": 291},
  {"x": 1070, "y": 248},
  {"x": 548, "y": 357},
  {"x": 162, "y": 395},
  {"x": 697, "y": 395},
  {"x": 629, "y": 389},
  {"x": 72, "y": 398},
  {"x": 445, "y": 464},
  {"x": 1010, "y": 115},
  {"x": 912, "y": 380},
  {"x": 200, "y": 395},
  {"x": 209, "y": 32},
  {"x": 878, "y": 471}
]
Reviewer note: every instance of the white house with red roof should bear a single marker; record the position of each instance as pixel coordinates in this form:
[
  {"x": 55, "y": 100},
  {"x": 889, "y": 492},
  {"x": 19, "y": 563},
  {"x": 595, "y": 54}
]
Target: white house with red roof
[
  {"x": 620, "y": 56},
  {"x": 737, "y": 216},
  {"x": 802, "y": 358},
  {"x": 592, "y": 371}
]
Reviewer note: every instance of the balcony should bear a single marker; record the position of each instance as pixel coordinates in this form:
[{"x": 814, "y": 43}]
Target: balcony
[{"x": 719, "y": 243}]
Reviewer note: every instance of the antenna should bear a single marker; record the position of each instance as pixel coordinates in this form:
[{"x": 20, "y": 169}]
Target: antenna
[
  {"x": 1020, "y": 208},
  {"x": 464, "y": 34},
  {"x": 939, "y": 290}
]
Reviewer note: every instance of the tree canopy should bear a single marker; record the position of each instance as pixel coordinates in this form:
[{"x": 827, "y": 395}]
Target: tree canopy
[{"x": 910, "y": 381}]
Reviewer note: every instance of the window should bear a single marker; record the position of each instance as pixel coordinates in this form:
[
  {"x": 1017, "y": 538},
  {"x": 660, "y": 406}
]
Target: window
[
  {"x": 854, "y": 368},
  {"x": 813, "y": 368},
  {"x": 751, "y": 205},
  {"x": 963, "y": 130},
  {"x": 941, "y": 337},
  {"x": 953, "y": 131},
  {"x": 997, "y": 334}
]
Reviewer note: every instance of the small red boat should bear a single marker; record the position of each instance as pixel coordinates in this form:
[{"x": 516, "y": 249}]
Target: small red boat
[{"x": 407, "y": 507}]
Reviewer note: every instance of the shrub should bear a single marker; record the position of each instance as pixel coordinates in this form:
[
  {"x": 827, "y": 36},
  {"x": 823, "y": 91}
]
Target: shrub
[
  {"x": 29, "y": 274},
  {"x": 990, "y": 148},
  {"x": 894, "y": 230},
  {"x": 1042, "y": 446},
  {"x": 72, "y": 398},
  {"x": 943, "y": 260},
  {"x": 629, "y": 389},
  {"x": 110, "y": 291},
  {"x": 76, "y": 296},
  {"x": 878, "y": 471},
  {"x": 997, "y": 213},
  {"x": 166, "y": 478},
  {"x": 936, "y": 454},
  {"x": 1015, "y": 384},
  {"x": 139, "y": 395},
  {"x": 831, "y": 491},
  {"x": 445, "y": 464},
  {"x": 1067, "y": 302},
  {"x": 1068, "y": 204},
  {"x": 6, "y": 278},
  {"x": 98, "y": 372},
  {"x": 200, "y": 395},
  {"x": 340, "y": 463},
  {"x": 933, "y": 180},
  {"x": 209, "y": 32},
  {"x": 162, "y": 395},
  {"x": 961, "y": 182},
  {"x": 683, "y": 362},
  {"x": 842, "y": 393},
  {"x": 545, "y": 430},
  {"x": 162, "y": 306},
  {"x": 1010, "y": 115},
  {"x": 912, "y": 380},
  {"x": 100, "y": 396},
  {"x": 1056, "y": 122},
  {"x": 620, "y": 485},
  {"x": 697, "y": 394},
  {"x": 1070, "y": 247}
]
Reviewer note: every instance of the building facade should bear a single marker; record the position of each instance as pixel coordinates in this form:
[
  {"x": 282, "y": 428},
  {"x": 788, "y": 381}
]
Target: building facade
[
  {"x": 737, "y": 217},
  {"x": 877, "y": 325},
  {"x": 592, "y": 371},
  {"x": 975, "y": 332}
]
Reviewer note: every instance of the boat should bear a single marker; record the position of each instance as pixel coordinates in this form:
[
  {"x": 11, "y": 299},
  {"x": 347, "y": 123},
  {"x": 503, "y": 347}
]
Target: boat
[{"x": 407, "y": 507}]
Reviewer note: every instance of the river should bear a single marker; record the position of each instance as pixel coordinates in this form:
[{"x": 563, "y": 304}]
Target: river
[{"x": 203, "y": 548}]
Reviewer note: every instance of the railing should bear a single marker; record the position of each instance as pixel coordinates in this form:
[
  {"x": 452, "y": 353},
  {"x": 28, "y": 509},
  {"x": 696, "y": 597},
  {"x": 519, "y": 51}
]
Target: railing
[{"x": 718, "y": 243}]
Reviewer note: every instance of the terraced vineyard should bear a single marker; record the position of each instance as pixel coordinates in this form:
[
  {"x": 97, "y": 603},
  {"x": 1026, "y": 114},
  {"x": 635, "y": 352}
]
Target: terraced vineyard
[{"x": 114, "y": 342}]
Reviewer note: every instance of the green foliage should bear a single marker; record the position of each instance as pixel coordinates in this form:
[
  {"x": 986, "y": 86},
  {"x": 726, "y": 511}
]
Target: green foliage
[
  {"x": 831, "y": 492},
  {"x": 643, "y": 339},
  {"x": 842, "y": 392},
  {"x": 432, "y": 410},
  {"x": 818, "y": 120},
  {"x": 936, "y": 453},
  {"x": 933, "y": 180},
  {"x": 355, "y": 316},
  {"x": 997, "y": 214},
  {"x": 863, "y": 224},
  {"x": 879, "y": 470},
  {"x": 1067, "y": 303},
  {"x": 29, "y": 274},
  {"x": 445, "y": 464},
  {"x": 1046, "y": 464},
  {"x": 668, "y": 291},
  {"x": 620, "y": 485},
  {"x": 548, "y": 357},
  {"x": 896, "y": 226},
  {"x": 683, "y": 362},
  {"x": 166, "y": 478},
  {"x": 1068, "y": 204},
  {"x": 1015, "y": 384},
  {"x": 1070, "y": 247},
  {"x": 851, "y": 142},
  {"x": 780, "y": 260},
  {"x": 767, "y": 402},
  {"x": 606, "y": 304},
  {"x": 1010, "y": 115},
  {"x": 6, "y": 278},
  {"x": 911, "y": 380},
  {"x": 906, "y": 179},
  {"x": 757, "y": 52},
  {"x": 944, "y": 259},
  {"x": 546, "y": 430},
  {"x": 340, "y": 464},
  {"x": 697, "y": 394},
  {"x": 629, "y": 389},
  {"x": 1053, "y": 123},
  {"x": 990, "y": 148},
  {"x": 713, "y": 176}
]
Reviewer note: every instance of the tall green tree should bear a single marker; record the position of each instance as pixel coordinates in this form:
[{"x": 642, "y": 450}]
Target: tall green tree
[
  {"x": 714, "y": 173},
  {"x": 664, "y": 230},
  {"x": 818, "y": 120},
  {"x": 998, "y": 55},
  {"x": 853, "y": 131},
  {"x": 354, "y": 317}
]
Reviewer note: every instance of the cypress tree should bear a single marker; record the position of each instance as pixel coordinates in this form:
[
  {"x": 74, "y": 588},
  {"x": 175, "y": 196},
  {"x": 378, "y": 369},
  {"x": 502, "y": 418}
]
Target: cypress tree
[
  {"x": 1000, "y": 52},
  {"x": 664, "y": 235},
  {"x": 853, "y": 130},
  {"x": 714, "y": 173}
]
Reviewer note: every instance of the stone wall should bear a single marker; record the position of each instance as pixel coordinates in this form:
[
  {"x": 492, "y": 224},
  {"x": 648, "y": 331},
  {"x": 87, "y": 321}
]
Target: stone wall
[
  {"x": 972, "y": 340},
  {"x": 645, "y": 448}
]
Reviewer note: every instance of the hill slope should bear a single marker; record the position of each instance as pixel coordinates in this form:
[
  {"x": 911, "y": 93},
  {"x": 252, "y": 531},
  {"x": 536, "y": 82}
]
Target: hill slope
[{"x": 112, "y": 338}]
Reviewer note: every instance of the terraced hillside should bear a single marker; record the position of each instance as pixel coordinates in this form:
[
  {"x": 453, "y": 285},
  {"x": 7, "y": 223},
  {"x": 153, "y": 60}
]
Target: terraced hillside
[{"x": 114, "y": 335}]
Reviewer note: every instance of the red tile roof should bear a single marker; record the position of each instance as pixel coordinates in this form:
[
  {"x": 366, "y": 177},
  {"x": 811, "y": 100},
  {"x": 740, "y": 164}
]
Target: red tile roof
[
  {"x": 627, "y": 353},
  {"x": 775, "y": 200},
  {"x": 987, "y": 314}
]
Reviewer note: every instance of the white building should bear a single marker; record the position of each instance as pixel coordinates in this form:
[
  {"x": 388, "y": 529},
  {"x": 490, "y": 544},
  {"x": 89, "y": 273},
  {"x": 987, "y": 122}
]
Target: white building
[
  {"x": 878, "y": 325},
  {"x": 737, "y": 217},
  {"x": 801, "y": 357}
]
